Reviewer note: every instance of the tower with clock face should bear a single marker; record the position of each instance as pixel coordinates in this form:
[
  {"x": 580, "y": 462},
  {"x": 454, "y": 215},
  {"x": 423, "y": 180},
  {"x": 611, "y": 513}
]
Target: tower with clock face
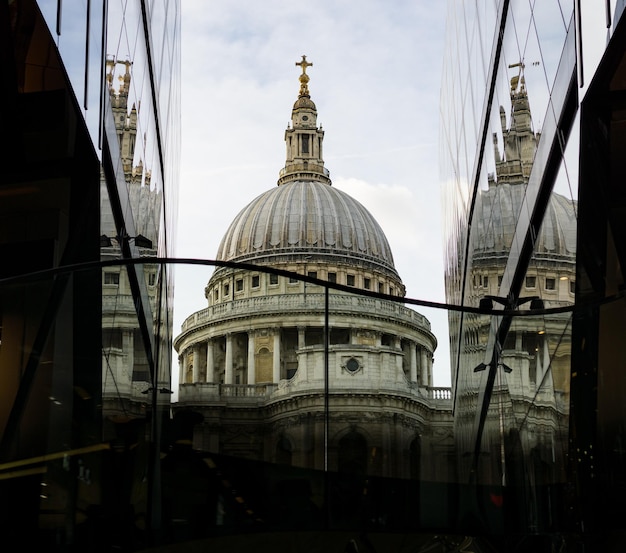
[{"x": 303, "y": 138}]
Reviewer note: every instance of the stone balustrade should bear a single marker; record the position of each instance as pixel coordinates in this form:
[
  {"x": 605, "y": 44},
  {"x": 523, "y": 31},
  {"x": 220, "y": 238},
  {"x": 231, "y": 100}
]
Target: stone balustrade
[
  {"x": 247, "y": 394},
  {"x": 314, "y": 303}
]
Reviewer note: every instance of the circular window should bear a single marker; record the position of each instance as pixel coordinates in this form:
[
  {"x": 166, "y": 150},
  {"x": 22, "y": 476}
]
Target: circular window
[
  {"x": 352, "y": 365},
  {"x": 305, "y": 117}
]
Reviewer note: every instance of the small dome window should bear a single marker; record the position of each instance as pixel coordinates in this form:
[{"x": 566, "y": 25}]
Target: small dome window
[{"x": 352, "y": 365}]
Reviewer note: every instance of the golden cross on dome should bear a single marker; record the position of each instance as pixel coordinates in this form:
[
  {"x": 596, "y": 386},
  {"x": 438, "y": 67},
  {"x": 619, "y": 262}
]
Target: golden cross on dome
[
  {"x": 304, "y": 78},
  {"x": 304, "y": 64}
]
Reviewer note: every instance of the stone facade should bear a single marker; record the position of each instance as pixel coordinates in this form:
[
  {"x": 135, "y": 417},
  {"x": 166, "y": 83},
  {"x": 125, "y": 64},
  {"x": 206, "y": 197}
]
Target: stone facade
[
  {"x": 125, "y": 367},
  {"x": 276, "y": 377}
]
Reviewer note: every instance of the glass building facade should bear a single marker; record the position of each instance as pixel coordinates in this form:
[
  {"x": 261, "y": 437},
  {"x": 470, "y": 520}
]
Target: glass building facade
[
  {"x": 306, "y": 418},
  {"x": 532, "y": 261},
  {"x": 91, "y": 91}
]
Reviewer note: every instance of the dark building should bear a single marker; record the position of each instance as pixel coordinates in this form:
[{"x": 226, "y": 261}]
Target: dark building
[
  {"x": 533, "y": 255},
  {"x": 85, "y": 175}
]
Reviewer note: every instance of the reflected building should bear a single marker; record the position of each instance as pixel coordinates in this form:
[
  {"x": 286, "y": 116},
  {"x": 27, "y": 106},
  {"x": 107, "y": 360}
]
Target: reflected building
[
  {"x": 125, "y": 368},
  {"x": 511, "y": 263},
  {"x": 257, "y": 362},
  {"x": 525, "y": 430},
  {"x": 85, "y": 326},
  {"x": 532, "y": 236}
]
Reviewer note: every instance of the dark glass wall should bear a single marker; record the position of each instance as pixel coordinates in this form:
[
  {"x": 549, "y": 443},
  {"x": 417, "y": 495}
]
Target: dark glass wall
[
  {"x": 526, "y": 343},
  {"x": 337, "y": 438},
  {"x": 85, "y": 329}
]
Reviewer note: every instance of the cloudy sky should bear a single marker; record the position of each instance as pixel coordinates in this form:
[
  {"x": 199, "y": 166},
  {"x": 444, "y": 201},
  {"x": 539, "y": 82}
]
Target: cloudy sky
[{"x": 375, "y": 80}]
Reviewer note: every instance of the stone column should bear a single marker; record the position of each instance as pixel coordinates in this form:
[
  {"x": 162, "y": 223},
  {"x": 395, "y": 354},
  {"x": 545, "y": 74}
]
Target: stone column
[
  {"x": 210, "y": 361},
  {"x": 430, "y": 370},
  {"x": 128, "y": 347},
  {"x": 397, "y": 345},
  {"x": 276, "y": 357},
  {"x": 181, "y": 369},
  {"x": 228, "y": 375},
  {"x": 251, "y": 367},
  {"x": 196, "y": 363},
  {"x": 301, "y": 337},
  {"x": 423, "y": 367},
  {"x": 413, "y": 361}
]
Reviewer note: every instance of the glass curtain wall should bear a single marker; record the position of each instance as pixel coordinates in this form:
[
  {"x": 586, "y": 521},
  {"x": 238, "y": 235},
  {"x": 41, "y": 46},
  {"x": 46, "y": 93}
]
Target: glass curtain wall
[
  {"x": 304, "y": 407},
  {"x": 89, "y": 189},
  {"x": 510, "y": 174},
  {"x": 513, "y": 78}
]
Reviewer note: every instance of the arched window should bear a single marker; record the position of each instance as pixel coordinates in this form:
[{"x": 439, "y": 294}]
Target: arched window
[
  {"x": 283, "y": 451},
  {"x": 352, "y": 454}
]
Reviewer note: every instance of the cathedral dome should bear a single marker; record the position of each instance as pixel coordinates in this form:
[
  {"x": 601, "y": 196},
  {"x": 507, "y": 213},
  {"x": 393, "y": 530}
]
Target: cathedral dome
[
  {"x": 498, "y": 208},
  {"x": 495, "y": 222},
  {"x": 306, "y": 218}
]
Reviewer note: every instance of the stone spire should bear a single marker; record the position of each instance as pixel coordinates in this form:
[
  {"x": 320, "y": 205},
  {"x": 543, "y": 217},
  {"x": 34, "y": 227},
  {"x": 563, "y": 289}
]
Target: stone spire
[
  {"x": 514, "y": 164},
  {"x": 303, "y": 138}
]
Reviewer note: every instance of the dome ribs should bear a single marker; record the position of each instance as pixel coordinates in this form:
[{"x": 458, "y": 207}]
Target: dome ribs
[{"x": 306, "y": 217}]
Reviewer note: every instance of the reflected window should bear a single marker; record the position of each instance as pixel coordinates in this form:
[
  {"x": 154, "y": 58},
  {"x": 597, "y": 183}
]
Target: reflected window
[
  {"x": 112, "y": 278},
  {"x": 332, "y": 277},
  {"x": 112, "y": 338},
  {"x": 255, "y": 281},
  {"x": 350, "y": 280},
  {"x": 239, "y": 285},
  {"x": 367, "y": 283},
  {"x": 273, "y": 279},
  {"x": 531, "y": 282},
  {"x": 572, "y": 287},
  {"x": 509, "y": 341},
  {"x": 226, "y": 289},
  {"x": 312, "y": 274},
  {"x": 531, "y": 343},
  {"x": 550, "y": 283}
]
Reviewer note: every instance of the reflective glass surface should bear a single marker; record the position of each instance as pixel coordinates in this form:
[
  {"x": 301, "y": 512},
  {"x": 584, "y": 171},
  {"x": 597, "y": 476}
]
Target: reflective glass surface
[{"x": 296, "y": 403}]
